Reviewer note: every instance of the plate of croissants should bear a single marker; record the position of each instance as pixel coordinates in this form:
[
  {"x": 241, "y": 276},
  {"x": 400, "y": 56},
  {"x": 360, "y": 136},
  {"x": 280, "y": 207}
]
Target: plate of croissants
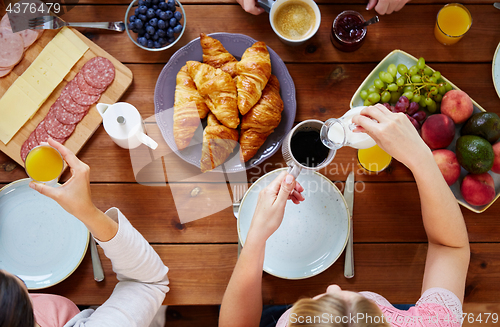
[{"x": 224, "y": 102}]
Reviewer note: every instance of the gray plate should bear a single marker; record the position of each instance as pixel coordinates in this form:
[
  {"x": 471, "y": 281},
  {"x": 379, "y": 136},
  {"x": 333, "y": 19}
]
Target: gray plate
[{"x": 236, "y": 44}]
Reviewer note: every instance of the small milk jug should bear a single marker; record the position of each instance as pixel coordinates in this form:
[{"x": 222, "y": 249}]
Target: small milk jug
[
  {"x": 338, "y": 132},
  {"x": 124, "y": 125}
]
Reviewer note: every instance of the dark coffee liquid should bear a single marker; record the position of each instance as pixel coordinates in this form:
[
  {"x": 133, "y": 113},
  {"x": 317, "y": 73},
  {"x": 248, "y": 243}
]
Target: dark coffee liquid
[{"x": 307, "y": 148}]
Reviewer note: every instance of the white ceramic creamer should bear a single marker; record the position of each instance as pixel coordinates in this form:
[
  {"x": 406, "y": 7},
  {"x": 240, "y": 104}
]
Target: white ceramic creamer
[
  {"x": 337, "y": 133},
  {"x": 124, "y": 125}
]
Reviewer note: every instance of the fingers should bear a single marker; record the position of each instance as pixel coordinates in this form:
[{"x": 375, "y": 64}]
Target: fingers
[
  {"x": 255, "y": 10},
  {"x": 365, "y": 123},
  {"x": 298, "y": 187},
  {"x": 382, "y": 7},
  {"x": 275, "y": 185},
  {"x": 400, "y": 5},
  {"x": 43, "y": 189},
  {"x": 371, "y": 4},
  {"x": 66, "y": 153},
  {"x": 251, "y": 7},
  {"x": 287, "y": 186}
]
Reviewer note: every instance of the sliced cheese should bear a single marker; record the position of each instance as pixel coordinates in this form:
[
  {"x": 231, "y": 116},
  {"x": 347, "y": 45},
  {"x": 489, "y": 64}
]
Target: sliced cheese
[
  {"x": 73, "y": 38},
  {"x": 67, "y": 47},
  {"x": 15, "y": 109},
  {"x": 51, "y": 50},
  {"x": 50, "y": 74},
  {"x": 38, "y": 81},
  {"x": 54, "y": 63},
  {"x": 30, "y": 91}
]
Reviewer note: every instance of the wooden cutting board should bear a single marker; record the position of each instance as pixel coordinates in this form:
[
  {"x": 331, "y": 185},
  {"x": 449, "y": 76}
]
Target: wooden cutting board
[{"x": 90, "y": 123}]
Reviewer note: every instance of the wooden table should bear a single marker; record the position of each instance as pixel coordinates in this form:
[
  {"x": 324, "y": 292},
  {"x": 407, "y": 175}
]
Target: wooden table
[{"x": 390, "y": 242}]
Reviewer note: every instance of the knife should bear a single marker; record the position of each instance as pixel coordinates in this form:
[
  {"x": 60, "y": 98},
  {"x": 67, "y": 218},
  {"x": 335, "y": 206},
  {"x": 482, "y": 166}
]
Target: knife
[
  {"x": 349, "y": 199},
  {"x": 496, "y": 5}
]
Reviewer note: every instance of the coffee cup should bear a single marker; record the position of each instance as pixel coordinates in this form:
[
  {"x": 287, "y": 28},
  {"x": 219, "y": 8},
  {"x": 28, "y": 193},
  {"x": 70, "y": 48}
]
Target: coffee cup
[
  {"x": 294, "y": 21},
  {"x": 303, "y": 149}
]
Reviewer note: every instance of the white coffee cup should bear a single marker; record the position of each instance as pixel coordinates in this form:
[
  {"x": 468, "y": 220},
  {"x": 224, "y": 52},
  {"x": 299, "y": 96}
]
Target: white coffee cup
[{"x": 273, "y": 6}]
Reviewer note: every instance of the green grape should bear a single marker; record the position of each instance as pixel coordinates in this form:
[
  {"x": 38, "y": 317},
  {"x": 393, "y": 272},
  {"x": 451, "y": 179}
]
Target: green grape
[
  {"x": 409, "y": 95},
  {"x": 416, "y": 98},
  {"x": 363, "y": 94},
  {"x": 385, "y": 97},
  {"x": 400, "y": 81},
  {"x": 436, "y": 74},
  {"x": 395, "y": 97},
  {"x": 392, "y": 87},
  {"x": 373, "y": 89},
  {"x": 381, "y": 74},
  {"x": 447, "y": 87},
  {"x": 434, "y": 90},
  {"x": 408, "y": 88},
  {"x": 367, "y": 103},
  {"x": 421, "y": 63},
  {"x": 421, "y": 103},
  {"x": 413, "y": 70},
  {"x": 433, "y": 80},
  {"x": 379, "y": 84},
  {"x": 392, "y": 70},
  {"x": 386, "y": 77},
  {"x": 441, "y": 90},
  {"x": 432, "y": 107},
  {"x": 373, "y": 98},
  {"x": 402, "y": 69},
  {"x": 428, "y": 71},
  {"x": 438, "y": 98},
  {"x": 429, "y": 101},
  {"x": 416, "y": 79}
]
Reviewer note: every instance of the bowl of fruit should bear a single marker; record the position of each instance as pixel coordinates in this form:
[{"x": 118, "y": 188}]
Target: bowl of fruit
[{"x": 155, "y": 25}]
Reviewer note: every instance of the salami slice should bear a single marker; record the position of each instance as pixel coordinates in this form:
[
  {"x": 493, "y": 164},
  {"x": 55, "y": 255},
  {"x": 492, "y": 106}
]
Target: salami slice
[
  {"x": 67, "y": 117},
  {"x": 86, "y": 88},
  {"x": 11, "y": 47},
  {"x": 57, "y": 129},
  {"x": 80, "y": 97},
  {"x": 29, "y": 144},
  {"x": 43, "y": 136},
  {"x": 69, "y": 104},
  {"x": 99, "y": 72}
]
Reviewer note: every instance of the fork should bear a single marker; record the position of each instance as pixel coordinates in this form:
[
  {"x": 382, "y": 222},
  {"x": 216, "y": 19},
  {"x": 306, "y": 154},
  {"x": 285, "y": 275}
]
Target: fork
[
  {"x": 54, "y": 23},
  {"x": 238, "y": 192}
]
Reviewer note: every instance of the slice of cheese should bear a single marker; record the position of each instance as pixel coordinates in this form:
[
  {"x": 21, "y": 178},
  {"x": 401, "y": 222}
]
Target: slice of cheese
[
  {"x": 67, "y": 47},
  {"x": 50, "y": 75},
  {"x": 54, "y": 63},
  {"x": 73, "y": 38},
  {"x": 51, "y": 50},
  {"x": 15, "y": 109},
  {"x": 30, "y": 91},
  {"x": 38, "y": 81}
]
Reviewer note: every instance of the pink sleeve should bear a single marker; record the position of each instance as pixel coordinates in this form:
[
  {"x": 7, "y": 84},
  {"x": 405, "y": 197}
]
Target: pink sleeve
[
  {"x": 446, "y": 300},
  {"x": 52, "y": 310}
]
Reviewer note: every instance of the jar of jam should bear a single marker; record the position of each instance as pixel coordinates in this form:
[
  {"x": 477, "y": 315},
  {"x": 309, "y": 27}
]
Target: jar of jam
[{"x": 348, "y": 32}]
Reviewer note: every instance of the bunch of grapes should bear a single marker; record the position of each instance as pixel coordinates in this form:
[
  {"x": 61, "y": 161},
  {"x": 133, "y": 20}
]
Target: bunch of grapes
[
  {"x": 418, "y": 84},
  {"x": 411, "y": 109}
]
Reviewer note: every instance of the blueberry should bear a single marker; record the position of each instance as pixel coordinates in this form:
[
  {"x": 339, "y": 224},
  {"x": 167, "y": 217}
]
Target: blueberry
[
  {"x": 131, "y": 18},
  {"x": 150, "y": 43},
  {"x": 138, "y": 23},
  {"x": 135, "y": 30},
  {"x": 162, "y": 41},
  {"x": 147, "y": 36},
  {"x": 150, "y": 30},
  {"x": 143, "y": 9},
  {"x": 150, "y": 13},
  {"x": 163, "y": 5},
  {"x": 161, "y": 24},
  {"x": 169, "y": 15},
  {"x": 171, "y": 5},
  {"x": 156, "y": 36},
  {"x": 170, "y": 32},
  {"x": 178, "y": 28},
  {"x": 142, "y": 41},
  {"x": 164, "y": 16},
  {"x": 178, "y": 15},
  {"x": 155, "y": 2},
  {"x": 141, "y": 32},
  {"x": 155, "y": 7},
  {"x": 141, "y": 3},
  {"x": 142, "y": 17},
  {"x": 161, "y": 33},
  {"x": 153, "y": 22},
  {"x": 147, "y": 3},
  {"x": 131, "y": 26},
  {"x": 158, "y": 13},
  {"x": 136, "y": 11},
  {"x": 171, "y": 40},
  {"x": 172, "y": 22},
  {"x": 157, "y": 44}
]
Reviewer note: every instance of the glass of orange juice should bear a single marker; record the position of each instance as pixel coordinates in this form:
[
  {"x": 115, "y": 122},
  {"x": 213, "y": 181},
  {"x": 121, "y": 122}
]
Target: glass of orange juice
[
  {"x": 44, "y": 164},
  {"x": 373, "y": 160},
  {"x": 453, "y": 21}
]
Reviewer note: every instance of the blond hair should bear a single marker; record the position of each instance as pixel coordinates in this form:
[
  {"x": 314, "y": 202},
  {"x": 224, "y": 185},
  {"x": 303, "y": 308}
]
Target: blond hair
[{"x": 331, "y": 310}]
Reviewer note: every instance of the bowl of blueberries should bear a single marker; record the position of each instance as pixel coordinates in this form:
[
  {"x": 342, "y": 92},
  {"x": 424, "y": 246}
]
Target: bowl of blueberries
[{"x": 155, "y": 25}]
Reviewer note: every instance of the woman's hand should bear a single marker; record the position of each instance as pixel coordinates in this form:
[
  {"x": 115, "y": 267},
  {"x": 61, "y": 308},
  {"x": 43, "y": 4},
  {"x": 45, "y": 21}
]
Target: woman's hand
[
  {"x": 386, "y": 6},
  {"x": 394, "y": 133},
  {"x": 271, "y": 206},
  {"x": 251, "y": 7},
  {"x": 74, "y": 195}
]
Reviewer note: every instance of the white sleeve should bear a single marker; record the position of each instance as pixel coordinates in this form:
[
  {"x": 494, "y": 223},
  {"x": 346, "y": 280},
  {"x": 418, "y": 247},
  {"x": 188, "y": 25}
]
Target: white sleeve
[{"x": 142, "y": 280}]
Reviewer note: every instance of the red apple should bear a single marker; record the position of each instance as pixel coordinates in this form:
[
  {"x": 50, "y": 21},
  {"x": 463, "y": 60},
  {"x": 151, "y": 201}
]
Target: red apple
[
  {"x": 457, "y": 105},
  {"x": 438, "y": 131},
  {"x": 448, "y": 164},
  {"x": 478, "y": 189},
  {"x": 496, "y": 161}
]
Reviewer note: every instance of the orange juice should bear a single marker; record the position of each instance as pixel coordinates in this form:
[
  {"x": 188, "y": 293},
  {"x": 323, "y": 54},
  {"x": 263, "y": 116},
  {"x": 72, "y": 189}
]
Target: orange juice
[
  {"x": 373, "y": 159},
  {"x": 453, "y": 21},
  {"x": 44, "y": 163}
]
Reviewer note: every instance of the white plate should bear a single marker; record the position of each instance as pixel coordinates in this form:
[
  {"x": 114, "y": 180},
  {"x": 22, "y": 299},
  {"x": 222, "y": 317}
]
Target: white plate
[
  {"x": 496, "y": 69},
  {"x": 400, "y": 57},
  {"x": 312, "y": 235},
  {"x": 39, "y": 241}
]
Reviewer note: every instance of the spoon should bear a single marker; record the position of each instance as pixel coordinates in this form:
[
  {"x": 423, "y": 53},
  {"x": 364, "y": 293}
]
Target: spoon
[
  {"x": 370, "y": 21},
  {"x": 496, "y": 5}
]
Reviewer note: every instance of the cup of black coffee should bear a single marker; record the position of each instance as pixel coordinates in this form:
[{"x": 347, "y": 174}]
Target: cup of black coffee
[{"x": 303, "y": 149}]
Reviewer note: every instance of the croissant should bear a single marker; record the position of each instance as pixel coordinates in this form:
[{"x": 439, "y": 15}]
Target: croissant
[
  {"x": 261, "y": 120},
  {"x": 215, "y": 55},
  {"x": 218, "y": 90},
  {"x": 254, "y": 70},
  {"x": 189, "y": 108},
  {"x": 218, "y": 143}
]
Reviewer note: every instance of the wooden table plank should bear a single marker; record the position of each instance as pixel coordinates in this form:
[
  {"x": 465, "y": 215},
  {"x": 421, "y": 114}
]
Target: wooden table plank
[
  {"x": 199, "y": 275},
  {"x": 477, "y": 46}
]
